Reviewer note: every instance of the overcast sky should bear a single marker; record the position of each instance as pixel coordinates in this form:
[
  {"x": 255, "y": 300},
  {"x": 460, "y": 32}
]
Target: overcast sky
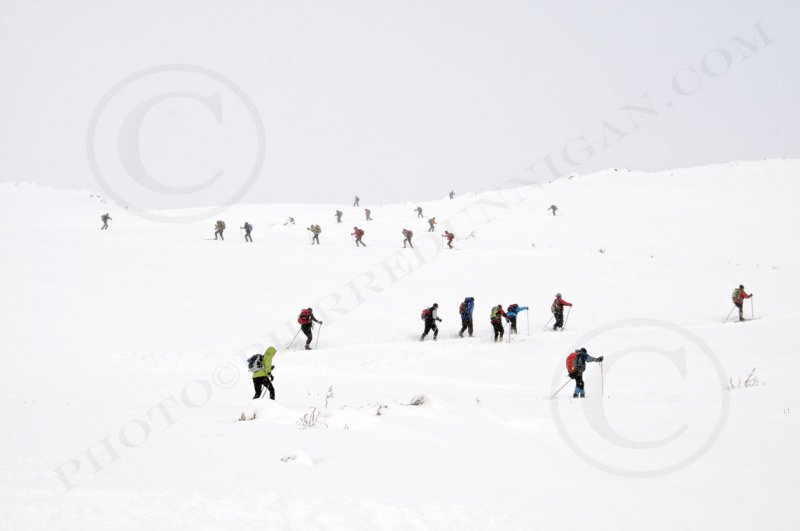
[{"x": 178, "y": 103}]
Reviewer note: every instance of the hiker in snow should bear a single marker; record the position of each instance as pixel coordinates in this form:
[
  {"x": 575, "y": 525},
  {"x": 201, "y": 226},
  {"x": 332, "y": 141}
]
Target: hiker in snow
[
  {"x": 247, "y": 230},
  {"x": 430, "y": 316},
  {"x": 289, "y": 221},
  {"x": 261, "y": 367},
  {"x": 466, "y": 316},
  {"x": 511, "y": 312},
  {"x": 576, "y": 364},
  {"x": 358, "y": 233},
  {"x": 368, "y": 214},
  {"x": 419, "y": 211},
  {"x": 553, "y": 208},
  {"x": 338, "y": 216},
  {"x": 219, "y": 227},
  {"x": 452, "y": 194},
  {"x": 431, "y": 223},
  {"x": 356, "y": 199},
  {"x": 408, "y": 235},
  {"x": 105, "y": 218},
  {"x": 307, "y": 320},
  {"x": 496, "y": 319},
  {"x": 315, "y": 230},
  {"x": 738, "y": 297},
  {"x": 449, "y": 236},
  {"x": 558, "y": 311}
]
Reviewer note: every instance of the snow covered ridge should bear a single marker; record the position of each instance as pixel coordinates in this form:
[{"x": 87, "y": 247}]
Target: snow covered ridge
[{"x": 123, "y": 366}]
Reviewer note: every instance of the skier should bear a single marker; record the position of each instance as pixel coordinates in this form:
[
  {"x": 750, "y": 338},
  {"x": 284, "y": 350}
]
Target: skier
[
  {"x": 738, "y": 297},
  {"x": 558, "y": 311},
  {"x": 105, "y": 218},
  {"x": 315, "y": 230},
  {"x": 289, "y": 221},
  {"x": 219, "y": 227},
  {"x": 356, "y": 199},
  {"x": 496, "y": 319},
  {"x": 408, "y": 235},
  {"x": 553, "y": 208},
  {"x": 430, "y": 316},
  {"x": 576, "y": 364},
  {"x": 262, "y": 372},
  {"x": 307, "y": 320},
  {"x": 358, "y": 234},
  {"x": 247, "y": 230},
  {"x": 419, "y": 211},
  {"x": 338, "y": 216},
  {"x": 449, "y": 236},
  {"x": 452, "y": 194},
  {"x": 466, "y": 316},
  {"x": 431, "y": 223},
  {"x": 368, "y": 213},
  {"x": 513, "y": 310}
]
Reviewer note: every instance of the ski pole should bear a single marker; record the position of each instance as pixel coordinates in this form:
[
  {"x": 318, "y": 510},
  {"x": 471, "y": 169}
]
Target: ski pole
[
  {"x": 566, "y": 318},
  {"x": 318, "y": 334},
  {"x": 752, "y": 312},
  {"x": 241, "y": 238},
  {"x": 602, "y": 382},
  {"x": 527, "y": 319},
  {"x": 295, "y": 337},
  {"x": 559, "y": 389},
  {"x": 548, "y": 322},
  {"x": 729, "y": 314}
]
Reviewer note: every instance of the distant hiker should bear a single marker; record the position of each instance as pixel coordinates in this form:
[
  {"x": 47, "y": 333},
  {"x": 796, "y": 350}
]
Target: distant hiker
[
  {"x": 449, "y": 236},
  {"x": 338, "y": 216},
  {"x": 430, "y": 316},
  {"x": 558, "y": 311},
  {"x": 465, "y": 310},
  {"x": 452, "y": 194},
  {"x": 247, "y": 230},
  {"x": 496, "y": 319},
  {"x": 261, "y": 367},
  {"x": 431, "y": 223},
  {"x": 738, "y": 297},
  {"x": 408, "y": 235},
  {"x": 553, "y": 208},
  {"x": 219, "y": 227},
  {"x": 368, "y": 213},
  {"x": 105, "y": 218},
  {"x": 576, "y": 364},
  {"x": 358, "y": 233},
  {"x": 289, "y": 221},
  {"x": 307, "y": 320},
  {"x": 511, "y": 312},
  {"x": 315, "y": 230},
  {"x": 356, "y": 199},
  {"x": 419, "y": 211}
]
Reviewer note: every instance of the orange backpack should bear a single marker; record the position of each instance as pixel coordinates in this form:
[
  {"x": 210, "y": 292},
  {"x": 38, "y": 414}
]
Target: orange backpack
[{"x": 572, "y": 362}]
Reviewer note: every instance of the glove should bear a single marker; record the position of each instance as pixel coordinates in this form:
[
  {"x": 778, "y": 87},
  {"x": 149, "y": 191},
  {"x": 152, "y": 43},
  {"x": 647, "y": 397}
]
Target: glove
[
  {"x": 320, "y": 322},
  {"x": 271, "y": 378},
  {"x": 600, "y": 358},
  {"x": 438, "y": 319}
]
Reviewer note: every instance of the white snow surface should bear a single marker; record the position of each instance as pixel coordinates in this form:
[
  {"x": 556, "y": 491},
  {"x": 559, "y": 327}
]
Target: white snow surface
[{"x": 123, "y": 369}]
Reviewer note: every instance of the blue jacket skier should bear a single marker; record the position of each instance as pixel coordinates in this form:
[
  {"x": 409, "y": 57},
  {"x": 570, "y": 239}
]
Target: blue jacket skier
[
  {"x": 511, "y": 312},
  {"x": 576, "y": 364},
  {"x": 465, "y": 310}
]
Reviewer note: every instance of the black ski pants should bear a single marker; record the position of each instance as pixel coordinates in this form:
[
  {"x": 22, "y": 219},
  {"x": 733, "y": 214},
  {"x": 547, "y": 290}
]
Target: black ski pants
[
  {"x": 247, "y": 236},
  {"x": 219, "y": 232},
  {"x": 315, "y": 239},
  {"x": 306, "y": 328},
  {"x": 578, "y": 377},
  {"x": 466, "y": 325},
  {"x": 498, "y": 330},
  {"x": 513, "y": 328},
  {"x": 559, "y": 319},
  {"x": 266, "y": 382},
  {"x": 407, "y": 241},
  {"x": 430, "y": 324}
]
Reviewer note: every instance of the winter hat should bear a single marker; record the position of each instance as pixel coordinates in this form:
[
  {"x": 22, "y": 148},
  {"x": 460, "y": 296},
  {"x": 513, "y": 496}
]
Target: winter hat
[{"x": 558, "y": 295}]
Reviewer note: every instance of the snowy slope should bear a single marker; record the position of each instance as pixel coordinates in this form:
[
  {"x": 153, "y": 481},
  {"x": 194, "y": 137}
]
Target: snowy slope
[{"x": 123, "y": 371}]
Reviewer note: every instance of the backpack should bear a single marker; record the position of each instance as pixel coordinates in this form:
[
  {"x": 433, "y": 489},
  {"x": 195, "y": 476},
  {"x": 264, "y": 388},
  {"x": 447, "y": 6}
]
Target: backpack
[
  {"x": 463, "y": 308},
  {"x": 512, "y": 308},
  {"x": 361, "y": 232},
  {"x": 737, "y": 293},
  {"x": 426, "y": 313},
  {"x": 495, "y": 316},
  {"x": 248, "y": 227},
  {"x": 318, "y": 229},
  {"x": 255, "y": 363},
  {"x": 554, "y": 307},
  {"x": 305, "y": 316},
  {"x": 572, "y": 362}
]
